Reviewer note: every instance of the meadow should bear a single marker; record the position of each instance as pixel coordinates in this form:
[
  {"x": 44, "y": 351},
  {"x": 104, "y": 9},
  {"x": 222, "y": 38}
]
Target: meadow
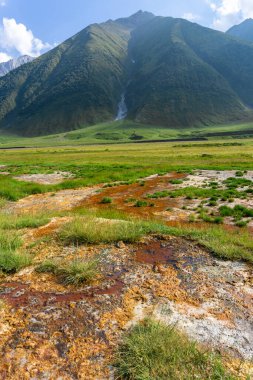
[
  {"x": 126, "y": 131},
  {"x": 126, "y": 164}
]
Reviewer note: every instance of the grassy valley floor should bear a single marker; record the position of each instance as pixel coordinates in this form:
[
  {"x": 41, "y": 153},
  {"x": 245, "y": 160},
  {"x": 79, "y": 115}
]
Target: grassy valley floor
[{"x": 128, "y": 131}]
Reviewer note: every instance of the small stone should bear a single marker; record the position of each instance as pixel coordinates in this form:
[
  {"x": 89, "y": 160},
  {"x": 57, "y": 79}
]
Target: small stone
[{"x": 120, "y": 244}]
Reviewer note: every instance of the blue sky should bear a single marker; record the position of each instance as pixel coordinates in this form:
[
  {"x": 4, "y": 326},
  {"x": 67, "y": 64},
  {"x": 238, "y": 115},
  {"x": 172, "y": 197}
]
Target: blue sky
[{"x": 34, "y": 26}]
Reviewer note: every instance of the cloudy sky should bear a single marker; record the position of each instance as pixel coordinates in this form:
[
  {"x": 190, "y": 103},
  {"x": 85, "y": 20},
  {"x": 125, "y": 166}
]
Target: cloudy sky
[{"x": 34, "y": 26}]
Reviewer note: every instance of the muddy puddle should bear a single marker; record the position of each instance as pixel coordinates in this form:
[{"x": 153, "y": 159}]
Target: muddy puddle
[{"x": 20, "y": 295}]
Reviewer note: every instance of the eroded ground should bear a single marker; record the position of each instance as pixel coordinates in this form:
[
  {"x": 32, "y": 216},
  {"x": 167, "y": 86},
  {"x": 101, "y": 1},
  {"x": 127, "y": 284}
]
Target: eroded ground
[
  {"x": 51, "y": 331},
  {"x": 45, "y": 179}
]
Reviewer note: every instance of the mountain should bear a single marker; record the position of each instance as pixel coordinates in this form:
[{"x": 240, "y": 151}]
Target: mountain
[
  {"x": 163, "y": 71},
  {"x": 6, "y": 67},
  {"x": 243, "y": 31}
]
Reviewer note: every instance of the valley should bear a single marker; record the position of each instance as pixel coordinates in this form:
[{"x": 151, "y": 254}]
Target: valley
[{"x": 126, "y": 195}]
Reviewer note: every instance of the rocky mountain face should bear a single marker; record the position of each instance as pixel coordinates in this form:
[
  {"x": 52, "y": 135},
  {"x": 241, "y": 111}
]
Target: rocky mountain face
[
  {"x": 6, "y": 67},
  {"x": 168, "y": 71}
]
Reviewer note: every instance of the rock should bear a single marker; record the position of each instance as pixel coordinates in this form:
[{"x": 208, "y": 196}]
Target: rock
[{"x": 120, "y": 245}]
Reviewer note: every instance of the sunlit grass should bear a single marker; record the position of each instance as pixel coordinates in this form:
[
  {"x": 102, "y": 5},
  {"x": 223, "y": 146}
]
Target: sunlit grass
[
  {"x": 230, "y": 244},
  {"x": 12, "y": 260},
  {"x": 90, "y": 230},
  {"x": 153, "y": 351},
  {"x": 74, "y": 273},
  {"x": 17, "y": 222}
]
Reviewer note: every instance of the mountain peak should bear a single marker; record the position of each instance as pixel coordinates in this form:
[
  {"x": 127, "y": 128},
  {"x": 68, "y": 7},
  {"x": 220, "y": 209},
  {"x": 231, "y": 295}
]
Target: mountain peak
[
  {"x": 243, "y": 31},
  {"x": 137, "y": 19},
  {"x": 14, "y": 63},
  {"x": 161, "y": 68}
]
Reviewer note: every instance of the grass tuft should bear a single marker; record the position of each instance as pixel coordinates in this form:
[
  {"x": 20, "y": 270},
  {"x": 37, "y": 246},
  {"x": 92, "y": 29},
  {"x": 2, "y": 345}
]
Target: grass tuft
[
  {"x": 90, "y": 230},
  {"x": 74, "y": 273},
  {"x": 9, "y": 240},
  {"x": 153, "y": 351},
  {"x": 12, "y": 262}
]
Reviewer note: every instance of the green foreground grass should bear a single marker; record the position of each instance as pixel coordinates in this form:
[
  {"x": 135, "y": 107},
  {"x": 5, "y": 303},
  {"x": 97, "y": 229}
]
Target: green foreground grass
[
  {"x": 153, "y": 351},
  {"x": 88, "y": 230},
  {"x": 99, "y": 164},
  {"x": 225, "y": 244},
  {"x": 12, "y": 260},
  {"x": 228, "y": 244},
  {"x": 74, "y": 273}
]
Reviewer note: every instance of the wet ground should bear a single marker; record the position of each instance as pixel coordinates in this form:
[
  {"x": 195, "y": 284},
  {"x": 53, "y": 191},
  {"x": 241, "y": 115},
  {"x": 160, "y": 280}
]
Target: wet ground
[{"x": 50, "y": 331}]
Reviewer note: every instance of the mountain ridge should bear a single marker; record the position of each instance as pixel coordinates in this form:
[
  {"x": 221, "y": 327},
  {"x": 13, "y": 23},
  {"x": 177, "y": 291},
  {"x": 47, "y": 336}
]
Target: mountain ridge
[
  {"x": 12, "y": 64},
  {"x": 244, "y": 30},
  {"x": 172, "y": 72}
]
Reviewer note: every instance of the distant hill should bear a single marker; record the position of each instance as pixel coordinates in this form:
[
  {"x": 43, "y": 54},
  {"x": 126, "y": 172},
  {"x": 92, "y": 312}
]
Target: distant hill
[
  {"x": 168, "y": 72},
  {"x": 243, "y": 31},
  {"x": 12, "y": 64}
]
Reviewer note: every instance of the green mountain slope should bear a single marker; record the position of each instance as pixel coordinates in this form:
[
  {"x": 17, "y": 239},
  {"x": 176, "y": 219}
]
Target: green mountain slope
[
  {"x": 172, "y": 72},
  {"x": 178, "y": 78},
  {"x": 244, "y": 31},
  {"x": 76, "y": 82}
]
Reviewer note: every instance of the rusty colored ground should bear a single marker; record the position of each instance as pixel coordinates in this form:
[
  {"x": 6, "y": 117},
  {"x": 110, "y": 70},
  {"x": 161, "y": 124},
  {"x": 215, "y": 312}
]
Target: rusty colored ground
[
  {"x": 50, "y": 331},
  {"x": 123, "y": 194}
]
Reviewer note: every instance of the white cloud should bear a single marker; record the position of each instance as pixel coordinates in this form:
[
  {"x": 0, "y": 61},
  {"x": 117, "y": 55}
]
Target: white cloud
[
  {"x": 190, "y": 16},
  {"x": 4, "y": 57},
  {"x": 14, "y": 36},
  {"x": 2, "y": 3},
  {"x": 230, "y": 12}
]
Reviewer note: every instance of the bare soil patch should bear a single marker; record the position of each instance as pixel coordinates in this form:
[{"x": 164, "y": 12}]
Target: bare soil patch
[{"x": 45, "y": 179}]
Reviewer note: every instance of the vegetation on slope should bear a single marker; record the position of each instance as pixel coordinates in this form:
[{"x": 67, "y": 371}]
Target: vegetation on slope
[
  {"x": 173, "y": 72},
  {"x": 244, "y": 31}
]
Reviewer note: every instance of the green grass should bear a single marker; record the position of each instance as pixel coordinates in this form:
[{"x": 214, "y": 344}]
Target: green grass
[
  {"x": 236, "y": 244},
  {"x": 237, "y": 212},
  {"x": 89, "y": 230},
  {"x": 107, "y": 213},
  {"x": 192, "y": 192},
  {"x": 140, "y": 203},
  {"x": 10, "y": 240},
  {"x": 48, "y": 266},
  {"x": 123, "y": 131},
  {"x": 224, "y": 244},
  {"x": 17, "y": 222},
  {"x": 11, "y": 260},
  {"x": 75, "y": 273},
  {"x": 106, "y": 200},
  {"x": 115, "y": 163},
  {"x": 153, "y": 351}
]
